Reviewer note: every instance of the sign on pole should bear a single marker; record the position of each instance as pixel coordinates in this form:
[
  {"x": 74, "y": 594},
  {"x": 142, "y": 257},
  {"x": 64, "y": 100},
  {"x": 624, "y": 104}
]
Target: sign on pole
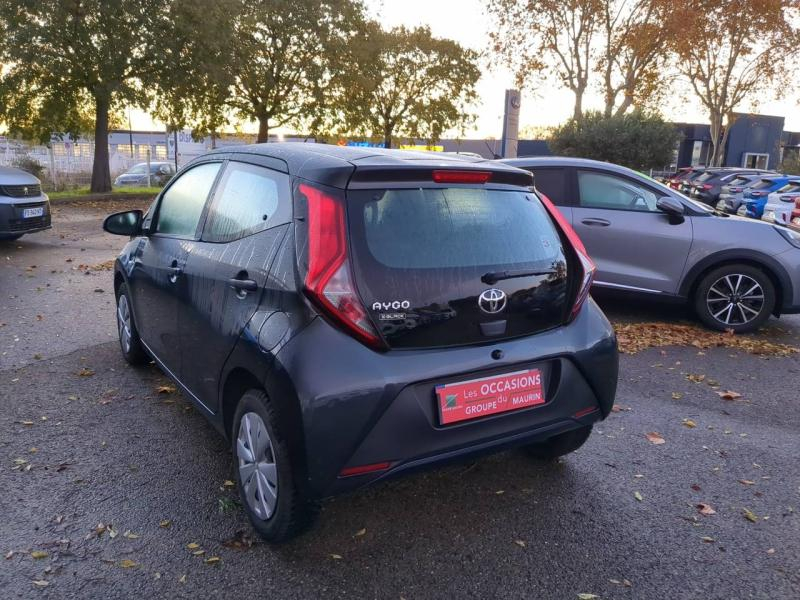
[{"x": 508, "y": 148}]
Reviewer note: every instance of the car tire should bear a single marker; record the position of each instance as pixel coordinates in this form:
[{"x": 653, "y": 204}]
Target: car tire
[
  {"x": 129, "y": 341},
  {"x": 735, "y": 297},
  {"x": 266, "y": 473},
  {"x": 560, "y": 444}
]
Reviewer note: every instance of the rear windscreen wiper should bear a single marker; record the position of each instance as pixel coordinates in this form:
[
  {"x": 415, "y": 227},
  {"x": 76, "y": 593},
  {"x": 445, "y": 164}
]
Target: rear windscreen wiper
[{"x": 494, "y": 276}]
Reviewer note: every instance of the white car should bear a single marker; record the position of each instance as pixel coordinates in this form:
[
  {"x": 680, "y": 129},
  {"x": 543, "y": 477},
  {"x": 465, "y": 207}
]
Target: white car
[{"x": 782, "y": 202}]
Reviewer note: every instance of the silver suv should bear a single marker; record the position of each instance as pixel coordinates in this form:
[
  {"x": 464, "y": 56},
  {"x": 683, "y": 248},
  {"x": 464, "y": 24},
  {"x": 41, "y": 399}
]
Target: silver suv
[
  {"x": 23, "y": 206},
  {"x": 650, "y": 240}
]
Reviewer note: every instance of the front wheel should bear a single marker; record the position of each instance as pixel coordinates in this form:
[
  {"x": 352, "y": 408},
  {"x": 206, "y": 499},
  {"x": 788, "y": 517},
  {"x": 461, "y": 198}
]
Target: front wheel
[
  {"x": 129, "y": 341},
  {"x": 271, "y": 497},
  {"x": 735, "y": 297},
  {"x": 560, "y": 444}
]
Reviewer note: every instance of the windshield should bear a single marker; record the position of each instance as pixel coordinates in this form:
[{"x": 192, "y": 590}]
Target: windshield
[{"x": 139, "y": 169}]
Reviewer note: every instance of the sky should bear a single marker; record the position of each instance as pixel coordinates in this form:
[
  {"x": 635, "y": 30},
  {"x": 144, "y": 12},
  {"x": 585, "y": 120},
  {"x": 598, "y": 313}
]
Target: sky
[{"x": 466, "y": 22}]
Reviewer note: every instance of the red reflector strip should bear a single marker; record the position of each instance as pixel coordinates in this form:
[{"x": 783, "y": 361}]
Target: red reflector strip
[
  {"x": 461, "y": 176},
  {"x": 585, "y": 411},
  {"x": 362, "y": 469}
]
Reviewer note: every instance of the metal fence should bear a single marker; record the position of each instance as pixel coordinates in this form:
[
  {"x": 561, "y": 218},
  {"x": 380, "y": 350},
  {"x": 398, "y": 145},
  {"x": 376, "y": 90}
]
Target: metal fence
[{"x": 68, "y": 165}]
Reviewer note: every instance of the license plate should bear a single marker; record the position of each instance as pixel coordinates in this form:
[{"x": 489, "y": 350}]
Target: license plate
[
  {"x": 489, "y": 395},
  {"x": 28, "y": 213}
]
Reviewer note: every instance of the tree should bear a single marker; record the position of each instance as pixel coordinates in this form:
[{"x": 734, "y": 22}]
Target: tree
[
  {"x": 637, "y": 140},
  {"x": 284, "y": 55},
  {"x": 536, "y": 37},
  {"x": 731, "y": 50},
  {"x": 193, "y": 89},
  {"x": 407, "y": 82},
  {"x": 635, "y": 50},
  {"x": 67, "y": 54}
]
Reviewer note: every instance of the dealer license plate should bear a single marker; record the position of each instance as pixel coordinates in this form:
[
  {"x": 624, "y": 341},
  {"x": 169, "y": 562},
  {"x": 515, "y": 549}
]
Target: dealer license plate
[
  {"x": 489, "y": 395},
  {"x": 29, "y": 213}
]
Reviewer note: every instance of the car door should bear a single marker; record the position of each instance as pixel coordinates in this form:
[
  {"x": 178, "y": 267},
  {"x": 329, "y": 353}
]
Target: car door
[
  {"x": 634, "y": 245},
  {"x": 156, "y": 281},
  {"x": 227, "y": 271}
]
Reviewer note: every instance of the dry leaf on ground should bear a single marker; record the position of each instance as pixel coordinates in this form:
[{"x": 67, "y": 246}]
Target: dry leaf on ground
[
  {"x": 729, "y": 395},
  {"x": 705, "y": 509},
  {"x": 655, "y": 438}
]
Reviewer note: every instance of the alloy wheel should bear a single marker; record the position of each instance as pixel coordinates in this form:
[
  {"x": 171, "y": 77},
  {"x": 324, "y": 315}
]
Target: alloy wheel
[
  {"x": 258, "y": 472},
  {"x": 124, "y": 323},
  {"x": 735, "y": 299}
]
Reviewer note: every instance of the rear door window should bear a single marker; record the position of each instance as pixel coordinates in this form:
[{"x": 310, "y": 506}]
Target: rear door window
[
  {"x": 553, "y": 184},
  {"x": 246, "y": 202}
]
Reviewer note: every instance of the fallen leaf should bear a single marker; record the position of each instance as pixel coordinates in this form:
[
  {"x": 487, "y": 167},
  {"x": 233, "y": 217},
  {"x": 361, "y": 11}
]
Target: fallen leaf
[
  {"x": 336, "y": 556},
  {"x": 127, "y": 563},
  {"x": 212, "y": 560},
  {"x": 130, "y": 535},
  {"x": 165, "y": 389},
  {"x": 9, "y": 554},
  {"x": 705, "y": 509},
  {"x": 696, "y": 487},
  {"x": 695, "y": 378},
  {"x": 655, "y": 438},
  {"x": 360, "y": 532},
  {"x": 40, "y": 582},
  {"x": 192, "y": 545},
  {"x": 729, "y": 395},
  {"x": 165, "y": 524},
  {"x": 750, "y": 515},
  {"x": 771, "y": 551},
  {"x": 747, "y": 482},
  {"x": 638, "y": 496},
  {"x": 708, "y": 540},
  {"x": 677, "y": 395},
  {"x": 584, "y": 596},
  {"x": 84, "y": 372},
  {"x": 199, "y": 552},
  {"x": 520, "y": 543},
  {"x": 228, "y": 483},
  {"x": 689, "y": 423},
  {"x": 182, "y": 579},
  {"x": 39, "y": 554}
]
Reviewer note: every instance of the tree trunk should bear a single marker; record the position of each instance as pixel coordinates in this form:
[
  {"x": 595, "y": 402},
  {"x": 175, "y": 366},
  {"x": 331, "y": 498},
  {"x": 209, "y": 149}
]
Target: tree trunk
[
  {"x": 716, "y": 142},
  {"x": 263, "y": 130},
  {"x": 388, "y": 130},
  {"x": 101, "y": 173},
  {"x": 577, "y": 112}
]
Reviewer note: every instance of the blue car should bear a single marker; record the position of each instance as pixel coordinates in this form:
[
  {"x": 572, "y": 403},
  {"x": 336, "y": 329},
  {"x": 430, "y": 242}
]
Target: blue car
[{"x": 756, "y": 196}]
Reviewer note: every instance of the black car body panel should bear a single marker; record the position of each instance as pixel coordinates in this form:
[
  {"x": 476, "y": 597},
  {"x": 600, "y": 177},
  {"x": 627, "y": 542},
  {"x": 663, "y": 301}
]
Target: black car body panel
[{"x": 224, "y": 315}]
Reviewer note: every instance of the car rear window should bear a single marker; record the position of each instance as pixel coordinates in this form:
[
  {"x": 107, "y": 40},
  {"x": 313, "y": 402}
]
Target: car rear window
[
  {"x": 453, "y": 227},
  {"x": 739, "y": 180},
  {"x": 764, "y": 183}
]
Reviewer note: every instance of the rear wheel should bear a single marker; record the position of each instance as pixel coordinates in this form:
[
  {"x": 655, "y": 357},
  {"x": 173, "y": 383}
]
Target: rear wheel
[
  {"x": 264, "y": 471},
  {"x": 736, "y": 297},
  {"x": 129, "y": 341},
  {"x": 559, "y": 445}
]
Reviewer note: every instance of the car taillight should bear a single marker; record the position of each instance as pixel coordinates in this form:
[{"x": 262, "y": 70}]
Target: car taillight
[
  {"x": 329, "y": 280},
  {"x": 588, "y": 267},
  {"x": 441, "y": 176},
  {"x": 707, "y": 186},
  {"x": 788, "y": 198},
  {"x": 735, "y": 190}
]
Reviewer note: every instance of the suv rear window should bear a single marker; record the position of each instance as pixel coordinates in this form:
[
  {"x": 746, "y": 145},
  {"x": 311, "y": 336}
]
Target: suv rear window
[
  {"x": 455, "y": 227},
  {"x": 764, "y": 183}
]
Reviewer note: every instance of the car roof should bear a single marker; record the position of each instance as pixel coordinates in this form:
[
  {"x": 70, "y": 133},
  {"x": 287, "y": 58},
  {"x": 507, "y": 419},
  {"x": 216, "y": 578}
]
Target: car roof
[
  {"x": 566, "y": 161},
  {"x": 334, "y": 165}
]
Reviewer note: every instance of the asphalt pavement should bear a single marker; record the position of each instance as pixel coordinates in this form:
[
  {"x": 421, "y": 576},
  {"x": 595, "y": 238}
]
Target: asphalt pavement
[{"x": 114, "y": 487}]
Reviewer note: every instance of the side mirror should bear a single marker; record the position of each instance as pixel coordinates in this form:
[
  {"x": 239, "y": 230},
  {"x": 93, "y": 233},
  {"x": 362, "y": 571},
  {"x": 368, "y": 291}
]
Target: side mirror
[
  {"x": 124, "y": 223},
  {"x": 672, "y": 207},
  {"x": 163, "y": 170}
]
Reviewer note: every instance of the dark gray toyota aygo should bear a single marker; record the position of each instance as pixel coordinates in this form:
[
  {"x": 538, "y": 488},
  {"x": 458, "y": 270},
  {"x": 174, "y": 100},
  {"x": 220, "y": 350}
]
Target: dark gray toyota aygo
[{"x": 344, "y": 315}]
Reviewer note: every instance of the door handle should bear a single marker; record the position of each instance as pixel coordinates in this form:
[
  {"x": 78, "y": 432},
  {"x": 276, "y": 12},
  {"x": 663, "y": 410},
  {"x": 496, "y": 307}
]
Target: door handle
[
  {"x": 174, "y": 272},
  {"x": 244, "y": 285},
  {"x": 592, "y": 222}
]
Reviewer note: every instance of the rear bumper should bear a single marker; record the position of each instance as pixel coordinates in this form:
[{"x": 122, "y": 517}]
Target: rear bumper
[{"x": 361, "y": 407}]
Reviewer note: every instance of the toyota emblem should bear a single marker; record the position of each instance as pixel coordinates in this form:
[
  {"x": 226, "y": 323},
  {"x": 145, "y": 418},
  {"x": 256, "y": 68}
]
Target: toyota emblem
[
  {"x": 492, "y": 301},
  {"x": 25, "y": 191}
]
